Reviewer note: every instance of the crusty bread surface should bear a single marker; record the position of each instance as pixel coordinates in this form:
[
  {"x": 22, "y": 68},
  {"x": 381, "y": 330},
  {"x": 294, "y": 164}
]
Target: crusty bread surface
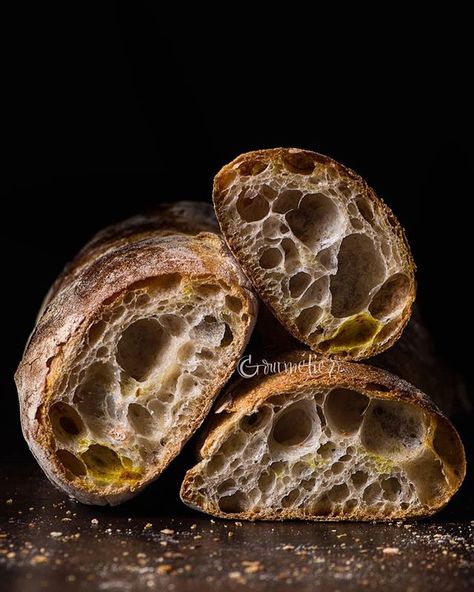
[{"x": 323, "y": 251}]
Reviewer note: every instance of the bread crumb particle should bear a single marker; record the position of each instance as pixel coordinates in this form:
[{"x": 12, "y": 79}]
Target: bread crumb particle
[
  {"x": 55, "y": 534},
  {"x": 166, "y": 531},
  {"x": 39, "y": 559},
  {"x": 148, "y": 525},
  {"x": 94, "y": 521},
  {"x": 391, "y": 551},
  {"x": 164, "y": 569}
]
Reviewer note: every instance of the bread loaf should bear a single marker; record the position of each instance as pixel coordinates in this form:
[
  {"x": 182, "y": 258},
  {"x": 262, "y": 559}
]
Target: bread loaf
[
  {"x": 325, "y": 254},
  {"x": 136, "y": 339}
]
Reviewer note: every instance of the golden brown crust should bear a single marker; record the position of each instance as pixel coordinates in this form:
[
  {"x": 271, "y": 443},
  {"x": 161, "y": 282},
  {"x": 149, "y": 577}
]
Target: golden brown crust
[
  {"x": 246, "y": 396},
  {"x": 183, "y": 217},
  {"x": 294, "y": 161},
  {"x": 84, "y": 291}
]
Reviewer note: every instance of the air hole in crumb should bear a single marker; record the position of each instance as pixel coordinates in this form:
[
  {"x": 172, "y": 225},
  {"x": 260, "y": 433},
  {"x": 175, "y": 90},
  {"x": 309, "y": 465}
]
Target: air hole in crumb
[
  {"x": 391, "y": 488},
  {"x": 307, "y": 318},
  {"x": 338, "y": 493},
  {"x": 291, "y": 255},
  {"x": 228, "y": 337},
  {"x": 360, "y": 269},
  {"x": 207, "y": 290},
  {"x": 298, "y": 283},
  {"x": 290, "y": 498},
  {"x": 292, "y": 427},
  {"x": 286, "y": 201},
  {"x": 327, "y": 450},
  {"x": 71, "y": 463},
  {"x": 344, "y": 409},
  {"x": 96, "y": 331},
  {"x": 391, "y": 296},
  {"x": 250, "y": 168},
  {"x": 172, "y": 323},
  {"x": 359, "y": 479},
  {"x": 365, "y": 208},
  {"x": 235, "y": 503},
  {"x": 92, "y": 395},
  {"x": 233, "y": 303},
  {"x": 316, "y": 221},
  {"x": 371, "y": 493},
  {"x": 65, "y": 421},
  {"x": 252, "y": 209},
  {"x": 255, "y": 421},
  {"x": 101, "y": 461},
  {"x": 393, "y": 429},
  {"x": 447, "y": 445},
  {"x": 270, "y": 258},
  {"x": 266, "y": 481},
  {"x": 140, "y": 419},
  {"x": 140, "y": 347},
  {"x": 216, "y": 464}
]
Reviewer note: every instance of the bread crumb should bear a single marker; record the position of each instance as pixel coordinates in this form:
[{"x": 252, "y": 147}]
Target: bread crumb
[
  {"x": 9, "y": 501},
  {"x": 252, "y": 567},
  {"x": 230, "y": 534},
  {"x": 148, "y": 525},
  {"x": 391, "y": 551},
  {"x": 193, "y": 526},
  {"x": 164, "y": 569},
  {"x": 237, "y": 576},
  {"x": 166, "y": 531},
  {"x": 55, "y": 534},
  {"x": 238, "y": 523},
  {"x": 94, "y": 521},
  {"x": 11, "y": 555},
  {"x": 39, "y": 559}
]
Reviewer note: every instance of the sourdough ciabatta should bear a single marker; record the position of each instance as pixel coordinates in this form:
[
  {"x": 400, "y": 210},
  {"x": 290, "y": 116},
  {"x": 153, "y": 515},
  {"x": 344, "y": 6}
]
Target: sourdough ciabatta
[
  {"x": 142, "y": 332},
  {"x": 325, "y": 254},
  {"x": 328, "y": 440}
]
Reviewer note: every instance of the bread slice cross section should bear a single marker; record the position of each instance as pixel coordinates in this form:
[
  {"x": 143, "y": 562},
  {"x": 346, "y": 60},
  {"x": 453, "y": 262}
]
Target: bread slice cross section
[
  {"x": 326, "y": 255},
  {"x": 326, "y": 441},
  {"x": 129, "y": 354}
]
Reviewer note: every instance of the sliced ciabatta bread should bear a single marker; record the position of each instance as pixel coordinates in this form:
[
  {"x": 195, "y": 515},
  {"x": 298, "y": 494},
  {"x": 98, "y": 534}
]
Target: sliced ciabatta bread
[
  {"x": 323, "y": 251},
  {"x": 128, "y": 357},
  {"x": 326, "y": 441}
]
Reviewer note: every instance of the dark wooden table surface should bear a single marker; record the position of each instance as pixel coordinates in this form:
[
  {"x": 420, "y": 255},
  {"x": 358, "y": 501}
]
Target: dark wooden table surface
[{"x": 49, "y": 542}]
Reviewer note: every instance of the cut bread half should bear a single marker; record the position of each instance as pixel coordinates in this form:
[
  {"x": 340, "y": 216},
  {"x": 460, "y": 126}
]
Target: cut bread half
[
  {"x": 326, "y": 440},
  {"x": 128, "y": 357},
  {"x": 325, "y": 254}
]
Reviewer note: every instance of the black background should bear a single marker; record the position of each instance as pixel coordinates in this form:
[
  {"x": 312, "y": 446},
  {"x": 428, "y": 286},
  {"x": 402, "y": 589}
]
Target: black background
[{"x": 109, "y": 110}]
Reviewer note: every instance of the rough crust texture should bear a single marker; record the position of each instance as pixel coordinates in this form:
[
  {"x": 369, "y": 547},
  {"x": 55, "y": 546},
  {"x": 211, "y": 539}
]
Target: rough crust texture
[
  {"x": 144, "y": 326},
  {"x": 341, "y": 441},
  {"x": 323, "y": 251}
]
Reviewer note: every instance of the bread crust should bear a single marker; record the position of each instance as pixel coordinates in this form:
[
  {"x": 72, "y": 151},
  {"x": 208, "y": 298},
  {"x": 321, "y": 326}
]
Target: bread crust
[
  {"x": 276, "y": 156},
  {"x": 114, "y": 261},
  {"x": 246, "y": 396},
  {"x": 183, "y": 217}
]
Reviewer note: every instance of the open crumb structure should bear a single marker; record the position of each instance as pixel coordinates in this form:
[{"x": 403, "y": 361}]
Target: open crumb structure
[
  {"x": 132, "y": 352},
  {"x": 350, "y": 443},
  {"x": 323, "y": 251}
]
